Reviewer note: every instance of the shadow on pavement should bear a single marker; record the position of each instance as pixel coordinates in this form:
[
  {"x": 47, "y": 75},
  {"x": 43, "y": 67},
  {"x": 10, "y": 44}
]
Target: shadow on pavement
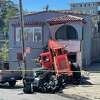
[
  {"x": 85, "y": 81},
  {"x": 93, "y": 68},
  {"x": 73, "y": 96},
  {"x": 6, "y": 86}
]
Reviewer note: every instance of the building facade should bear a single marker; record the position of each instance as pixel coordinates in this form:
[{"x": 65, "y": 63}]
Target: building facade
[
  {"x": 92, "y": 8},
  {"x": 71, "y": 29},
  {"x": 86, "y": 7}
]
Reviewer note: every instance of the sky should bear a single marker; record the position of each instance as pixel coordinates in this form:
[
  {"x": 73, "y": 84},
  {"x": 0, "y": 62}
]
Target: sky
[{"x": 38, "y": 5}]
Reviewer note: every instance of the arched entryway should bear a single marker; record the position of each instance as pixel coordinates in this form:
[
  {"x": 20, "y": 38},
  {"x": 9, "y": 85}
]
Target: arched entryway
[{"x": 66, "y": 32}]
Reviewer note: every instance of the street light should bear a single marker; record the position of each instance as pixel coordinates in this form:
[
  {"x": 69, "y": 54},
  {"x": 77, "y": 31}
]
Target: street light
[{"x": 22, "y": 34}]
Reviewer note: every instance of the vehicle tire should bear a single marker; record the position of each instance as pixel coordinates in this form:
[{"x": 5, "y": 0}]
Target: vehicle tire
[
  {"x": 28, "y": 88},
  {"x": 43, "y": 89},
  {"x": 76, "y": 78},
  {"x": 53, "y": 83},
  {"x": 12, "y": 83},
  {"x": 35, "y": 89}
]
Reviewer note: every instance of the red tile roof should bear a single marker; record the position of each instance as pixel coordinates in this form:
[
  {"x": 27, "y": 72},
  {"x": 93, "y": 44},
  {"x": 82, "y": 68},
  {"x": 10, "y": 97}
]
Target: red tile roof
[
  {"x": 64, "y": 19},
  {"x": 68, "y": 12}
]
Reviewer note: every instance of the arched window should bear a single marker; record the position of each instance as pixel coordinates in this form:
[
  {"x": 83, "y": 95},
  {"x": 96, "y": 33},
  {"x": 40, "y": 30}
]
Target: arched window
[{"x": 66, "y": 32}]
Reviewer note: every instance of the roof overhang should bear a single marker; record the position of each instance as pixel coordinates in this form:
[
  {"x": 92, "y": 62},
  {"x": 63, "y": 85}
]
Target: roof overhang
[{"x": 64, "y": 19}]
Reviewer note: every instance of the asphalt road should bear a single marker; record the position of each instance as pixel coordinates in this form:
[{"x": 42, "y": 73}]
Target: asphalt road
[{"x": 16, "y": 93}]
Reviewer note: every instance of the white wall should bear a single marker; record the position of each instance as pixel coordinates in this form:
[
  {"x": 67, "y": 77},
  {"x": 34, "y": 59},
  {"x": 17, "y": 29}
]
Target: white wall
[{"x": 87, "y": 35}]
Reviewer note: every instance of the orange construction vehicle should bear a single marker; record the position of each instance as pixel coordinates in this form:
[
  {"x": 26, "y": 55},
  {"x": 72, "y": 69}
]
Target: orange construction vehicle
[{"x": 56, "y": 71}]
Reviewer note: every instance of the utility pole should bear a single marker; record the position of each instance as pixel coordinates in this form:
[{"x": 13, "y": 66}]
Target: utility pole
[{"x": 22, "y": 35}]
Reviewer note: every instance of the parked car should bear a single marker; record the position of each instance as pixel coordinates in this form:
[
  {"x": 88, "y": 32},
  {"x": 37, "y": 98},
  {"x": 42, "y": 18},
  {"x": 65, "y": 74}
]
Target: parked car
[{"x": 8, "y": 75}]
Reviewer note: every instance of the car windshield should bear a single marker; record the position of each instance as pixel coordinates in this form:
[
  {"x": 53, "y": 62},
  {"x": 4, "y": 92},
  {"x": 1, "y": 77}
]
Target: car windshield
[{"x": 40, "y": 71}]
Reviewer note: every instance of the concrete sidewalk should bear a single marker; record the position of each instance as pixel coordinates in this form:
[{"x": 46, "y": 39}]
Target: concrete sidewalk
[{"x": 89, "y": 89}]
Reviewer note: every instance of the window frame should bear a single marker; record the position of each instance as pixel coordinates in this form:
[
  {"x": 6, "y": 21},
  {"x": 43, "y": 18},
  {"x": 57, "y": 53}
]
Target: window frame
[
  {"x": 37, "y": 27},
  {"x": 18, "y": 35}
]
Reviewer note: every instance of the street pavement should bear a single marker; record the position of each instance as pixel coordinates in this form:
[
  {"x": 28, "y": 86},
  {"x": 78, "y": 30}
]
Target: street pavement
[
  {"x": 89, "y": 89},
  {"x": 16, "y": 93}
]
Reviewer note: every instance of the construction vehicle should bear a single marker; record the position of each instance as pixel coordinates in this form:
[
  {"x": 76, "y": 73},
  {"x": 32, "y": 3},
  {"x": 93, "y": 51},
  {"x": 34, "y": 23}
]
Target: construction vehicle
[{"x": 56, "y": 71}]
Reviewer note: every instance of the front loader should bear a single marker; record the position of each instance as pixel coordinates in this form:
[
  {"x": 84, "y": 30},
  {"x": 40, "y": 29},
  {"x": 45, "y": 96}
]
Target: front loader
[{"x": 56, "y": 71}]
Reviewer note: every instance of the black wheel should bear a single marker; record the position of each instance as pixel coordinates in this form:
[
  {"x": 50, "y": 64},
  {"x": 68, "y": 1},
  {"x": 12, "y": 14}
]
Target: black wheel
[
  {"x": 35, "y": 89},
  {"x": 28, "y": 87},
  {"x": 12, "y": 83},
  {"x": 76, "y": 78},
  {"x": 53, "y": 84},
  {"x": 43, "y": 89}
]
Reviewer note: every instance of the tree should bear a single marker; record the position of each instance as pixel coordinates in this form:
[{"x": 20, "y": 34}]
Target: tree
[
  {"x": 4, "y": 52},
  {"x": 7, "y": 9}
]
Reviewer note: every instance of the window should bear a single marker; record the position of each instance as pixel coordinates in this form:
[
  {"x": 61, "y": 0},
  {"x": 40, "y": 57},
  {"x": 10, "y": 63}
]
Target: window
[
  {"x": 72, "y": 57},
  {"x": 99, "y": 26},
  {"x": 37, "y": 34},
  {"x": 18, "y": 34},
  {"x": 59, "y": 52},
  {"x": 93, "y": 4},
  {"x": 84, "y": 5},
  {"x": 73, "y": 5},
  {"x": 46, "y": 59},
  {"x": 29, "y": 32},
  {"x": 66, "y": 32},
  {"x": 80, "y": 5},
  {"x": 89, "y": 4},
  {"x": 90, "y": 11}
]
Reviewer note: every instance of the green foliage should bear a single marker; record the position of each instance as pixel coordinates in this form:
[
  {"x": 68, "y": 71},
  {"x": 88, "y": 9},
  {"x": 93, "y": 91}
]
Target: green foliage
[
  {"x": 8, "y": 9},
  {"x": 4, "y": 52}
]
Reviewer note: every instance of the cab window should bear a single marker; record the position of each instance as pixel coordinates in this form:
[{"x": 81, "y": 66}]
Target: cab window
[{"x": 59, "y": 51}]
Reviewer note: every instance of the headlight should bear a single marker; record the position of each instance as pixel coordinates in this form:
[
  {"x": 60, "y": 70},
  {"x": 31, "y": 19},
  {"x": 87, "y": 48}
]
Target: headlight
[
  {"x": 0, "y": 71},
  {"x": 34, "y": 74},
  {"x": 47, "y": 59}
]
